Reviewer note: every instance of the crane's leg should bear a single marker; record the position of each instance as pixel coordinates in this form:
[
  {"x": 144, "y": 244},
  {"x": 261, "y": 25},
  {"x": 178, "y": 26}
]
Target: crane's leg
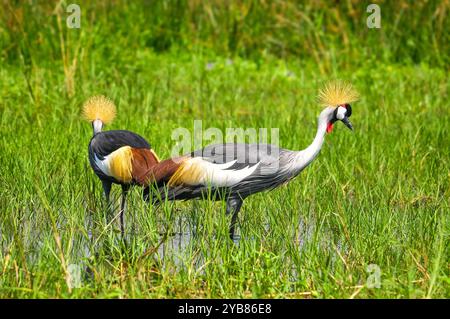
[
  {"x": 146, "y": 194},
  {"x": 233, "y": 207},
  {"x": 107, "y": 191},
  {"x": 125, "y": 189}
]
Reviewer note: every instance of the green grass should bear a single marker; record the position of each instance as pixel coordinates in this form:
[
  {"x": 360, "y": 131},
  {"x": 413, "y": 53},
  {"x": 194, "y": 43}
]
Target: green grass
[{"x": 378, "y": 196}]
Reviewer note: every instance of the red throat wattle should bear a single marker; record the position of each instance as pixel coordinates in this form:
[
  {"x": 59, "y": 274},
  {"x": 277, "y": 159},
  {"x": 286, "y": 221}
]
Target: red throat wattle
[{"x": 329, "y": 127}]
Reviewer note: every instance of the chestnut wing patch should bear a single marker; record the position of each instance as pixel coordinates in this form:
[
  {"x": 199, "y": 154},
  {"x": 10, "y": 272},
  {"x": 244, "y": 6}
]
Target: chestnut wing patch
[
  {"x": 142, "y": 162},
  {"x": 128, "y": 164},
  {"x": 155, "y": 172}
]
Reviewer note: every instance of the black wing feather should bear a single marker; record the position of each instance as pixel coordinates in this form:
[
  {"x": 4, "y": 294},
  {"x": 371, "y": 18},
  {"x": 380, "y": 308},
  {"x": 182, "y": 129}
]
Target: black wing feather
[
  {"x": 267, "y": 176},
  {"x": 105, "y": 143}
]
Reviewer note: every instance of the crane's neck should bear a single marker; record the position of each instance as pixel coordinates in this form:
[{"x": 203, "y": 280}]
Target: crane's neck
[
  {"x": 97, "y": 126},
  {"x": 305, "y": 157}
]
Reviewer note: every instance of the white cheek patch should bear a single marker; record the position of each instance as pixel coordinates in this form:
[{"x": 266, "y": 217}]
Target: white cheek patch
[{"x": 340, "y": 114}]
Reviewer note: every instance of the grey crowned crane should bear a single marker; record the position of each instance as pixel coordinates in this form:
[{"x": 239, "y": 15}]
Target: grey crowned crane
[
  {"x": 116, "y": 156},
  {"x": 235, "y": 171}
]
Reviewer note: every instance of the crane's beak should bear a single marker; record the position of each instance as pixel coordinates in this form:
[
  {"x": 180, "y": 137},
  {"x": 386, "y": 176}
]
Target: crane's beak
[{"x": 347, "y": 123}]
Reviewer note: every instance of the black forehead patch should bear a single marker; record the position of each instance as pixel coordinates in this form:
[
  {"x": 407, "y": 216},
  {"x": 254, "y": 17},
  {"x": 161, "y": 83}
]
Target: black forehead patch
[
  {"x": 349, "y": 110},
  {"x": 335, "y": 114}
]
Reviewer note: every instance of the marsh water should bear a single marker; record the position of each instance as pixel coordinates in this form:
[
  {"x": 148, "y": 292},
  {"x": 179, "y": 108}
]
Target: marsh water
[{"x": 177, "y": 250}]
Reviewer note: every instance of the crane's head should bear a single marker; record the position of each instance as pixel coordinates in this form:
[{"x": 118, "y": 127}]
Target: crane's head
[
  {"x": 340, "y": 113},
  {"x": 99, "y": 110},
  {"x": 337, "y": 96}
]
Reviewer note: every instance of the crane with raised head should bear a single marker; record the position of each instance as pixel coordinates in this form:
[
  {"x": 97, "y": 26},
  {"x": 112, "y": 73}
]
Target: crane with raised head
[
  {"x": 116, "y": 156},
  {"x": 234, "y": 171}
]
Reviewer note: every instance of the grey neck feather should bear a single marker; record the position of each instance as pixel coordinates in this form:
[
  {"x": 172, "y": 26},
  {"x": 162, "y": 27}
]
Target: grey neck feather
[{"x": 305, "y": 157}]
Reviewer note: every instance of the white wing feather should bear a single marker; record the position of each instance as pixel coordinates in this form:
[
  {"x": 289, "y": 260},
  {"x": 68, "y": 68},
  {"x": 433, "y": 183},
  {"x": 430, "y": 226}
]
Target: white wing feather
[{"x": 218, "y": 175}]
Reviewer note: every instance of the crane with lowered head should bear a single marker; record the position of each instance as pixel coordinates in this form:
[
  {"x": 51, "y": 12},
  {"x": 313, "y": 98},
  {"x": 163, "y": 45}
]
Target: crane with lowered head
[{"x": 116, "y": 156}]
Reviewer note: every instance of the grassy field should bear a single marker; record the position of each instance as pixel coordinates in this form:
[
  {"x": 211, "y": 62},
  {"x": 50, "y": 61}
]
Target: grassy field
[{"x": 378, "y": 196}]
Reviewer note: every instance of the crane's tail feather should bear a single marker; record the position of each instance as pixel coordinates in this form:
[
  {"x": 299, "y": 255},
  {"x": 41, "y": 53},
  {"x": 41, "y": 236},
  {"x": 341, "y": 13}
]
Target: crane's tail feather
[{"x": 99, "y": 108}]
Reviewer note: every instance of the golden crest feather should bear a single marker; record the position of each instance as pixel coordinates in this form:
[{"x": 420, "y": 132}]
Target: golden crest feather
[
  {"x": 99, "y": 108},
  {"x": 337, "y": 93}
]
